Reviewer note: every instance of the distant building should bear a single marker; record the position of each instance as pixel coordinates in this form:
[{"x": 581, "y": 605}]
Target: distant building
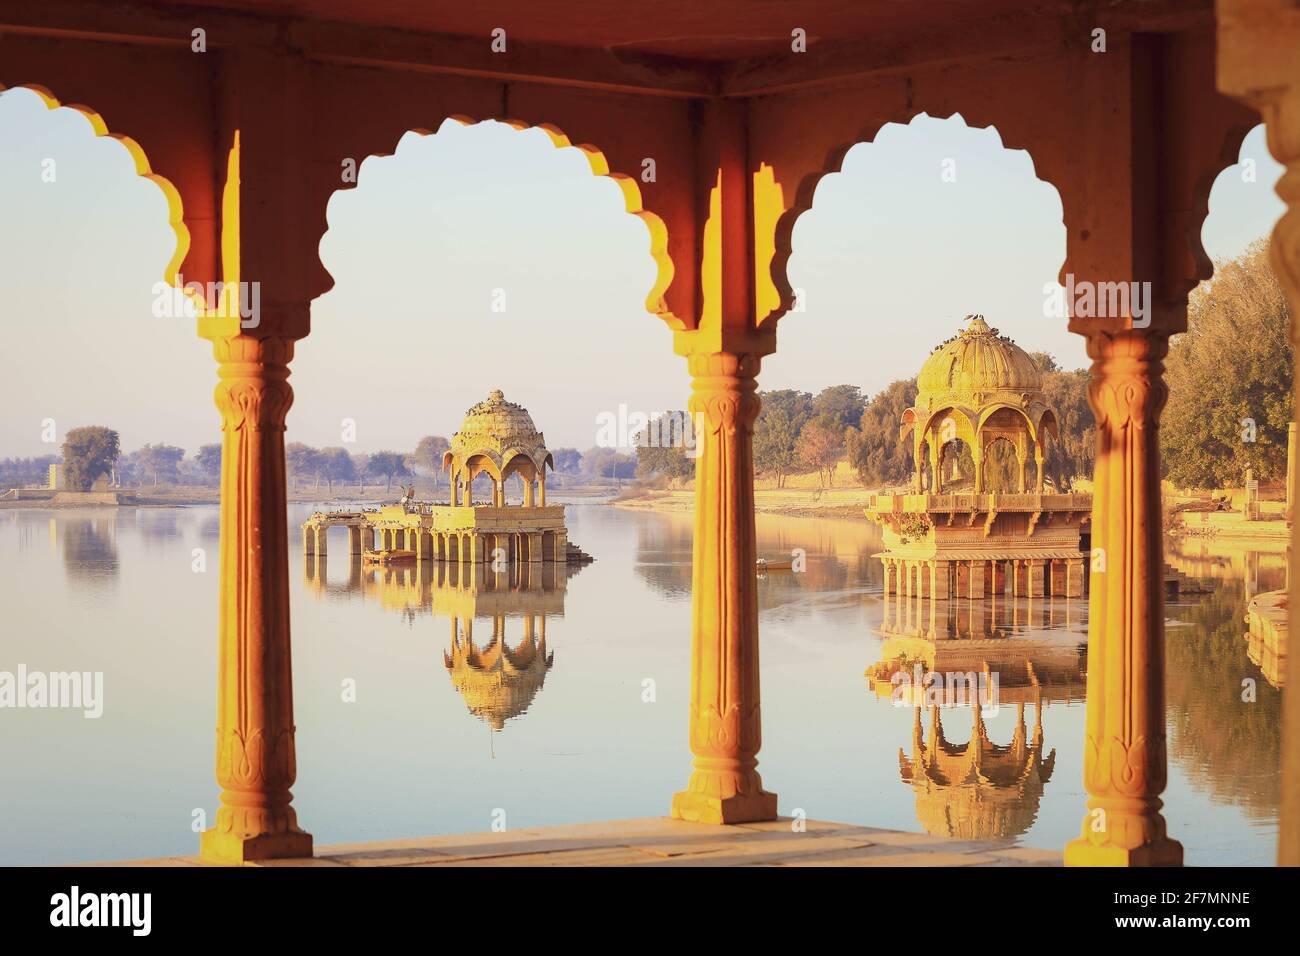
[
  {"x": 953, "y": 538},
  {"x": 497, "y": 439}
]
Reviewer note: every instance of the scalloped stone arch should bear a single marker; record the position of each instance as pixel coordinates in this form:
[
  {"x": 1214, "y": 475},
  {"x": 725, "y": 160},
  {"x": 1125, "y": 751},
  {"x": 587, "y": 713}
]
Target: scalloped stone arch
[
  {"x": 805, "y": 195},
  {"x": 1229, "y": 156},
  {"x": 633, "y": 203},
  {"x": 1048, "y": 425},
  {"x": 476, "y": 463},
  {"x": 972, "y": 424},
  {"x": 509, "y": 456},
  {"x": 991, "y": 410},
  {"x": 175, "y": 208}
]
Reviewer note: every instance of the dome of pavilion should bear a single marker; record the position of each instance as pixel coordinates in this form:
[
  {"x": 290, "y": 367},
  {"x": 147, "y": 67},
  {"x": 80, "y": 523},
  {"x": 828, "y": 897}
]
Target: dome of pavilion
[
  {"x": 501, "y": 433},
  {"x": 978, "y": 387},
  {"x": 973, "y": 366}
]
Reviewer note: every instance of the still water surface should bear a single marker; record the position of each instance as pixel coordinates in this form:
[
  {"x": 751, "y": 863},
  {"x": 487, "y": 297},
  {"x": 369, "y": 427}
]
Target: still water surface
[{"x": 592, "y": 725}]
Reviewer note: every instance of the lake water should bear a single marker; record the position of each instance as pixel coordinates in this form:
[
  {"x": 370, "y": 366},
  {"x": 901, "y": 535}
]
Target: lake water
[{"x": 602, "y": 732}]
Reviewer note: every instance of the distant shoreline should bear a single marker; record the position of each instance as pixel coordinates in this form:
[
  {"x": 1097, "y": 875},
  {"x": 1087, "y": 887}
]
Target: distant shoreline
[{"x": 371, "y": 497}]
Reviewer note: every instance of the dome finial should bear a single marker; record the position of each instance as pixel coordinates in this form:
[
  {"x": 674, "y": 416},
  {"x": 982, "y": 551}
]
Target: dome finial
[
  {"x": 497, "y": 396},
  {"x": 975, "y": 325}
]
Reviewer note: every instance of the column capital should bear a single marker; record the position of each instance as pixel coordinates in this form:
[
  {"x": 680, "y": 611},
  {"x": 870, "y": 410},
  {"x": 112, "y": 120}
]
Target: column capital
[{"x": 752, "y": 344}]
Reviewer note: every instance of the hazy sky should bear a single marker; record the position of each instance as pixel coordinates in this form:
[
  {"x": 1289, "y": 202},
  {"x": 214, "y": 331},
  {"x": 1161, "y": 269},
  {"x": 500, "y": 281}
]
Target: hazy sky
[{"x": 890, "y": 258}]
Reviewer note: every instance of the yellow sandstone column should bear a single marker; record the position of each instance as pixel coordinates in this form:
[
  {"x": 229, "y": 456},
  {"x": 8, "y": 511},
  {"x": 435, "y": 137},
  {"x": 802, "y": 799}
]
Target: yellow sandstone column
[
  {"x": 255, "y": 730},
  {"x": 725, "y": 719},
  {"x": 1124, "y": 752}
]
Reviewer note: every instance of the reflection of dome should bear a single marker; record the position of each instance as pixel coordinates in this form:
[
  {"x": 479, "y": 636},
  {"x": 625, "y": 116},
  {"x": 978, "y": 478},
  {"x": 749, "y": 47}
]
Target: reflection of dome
[
  {"x": 976, "y": 790},
  {"x": 499, "y": 432},
  {"x": 977, "y": 359},
  {"x": 496, "y": 681}
]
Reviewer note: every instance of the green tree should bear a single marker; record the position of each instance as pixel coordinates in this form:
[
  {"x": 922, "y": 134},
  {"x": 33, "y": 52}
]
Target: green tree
[
  {"x": 427, "y": 457},
  {"x": 843, "y": 404},
  {"x": 820, "y": 447},
  {"x": 161, "y": 460},
  {"x": 875, "y": 449},
  {"x": 1230, "y": 379},
  {"x": 568, "y": 461},
  {"x": 1072, "y": 456},
  {"x": 388, "y": 465},
  {"x": 608, "y": 463},
  {"x": 337, "y": 465},
  {"x": 666, "y": 447},
  {"x": 1045, "y": 361},
  {"x": 302, "y": 461},
  {"x": 776, "y": 432},
  {"x": 89, "y": 452},
  {"x": 208, "y": 461},
  {"x": 360, "y": 465}
]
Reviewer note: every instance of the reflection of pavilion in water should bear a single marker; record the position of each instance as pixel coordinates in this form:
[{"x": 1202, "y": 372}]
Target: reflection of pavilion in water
[
  {"x": 1018, "y": 652},
  {"x": 977, "y": 790},
  {"x": 497, "y": 680}
]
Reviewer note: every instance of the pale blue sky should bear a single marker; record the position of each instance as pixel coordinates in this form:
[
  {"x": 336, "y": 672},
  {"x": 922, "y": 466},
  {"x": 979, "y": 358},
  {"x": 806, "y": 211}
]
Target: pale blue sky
[{"x": 890, "y": 258}]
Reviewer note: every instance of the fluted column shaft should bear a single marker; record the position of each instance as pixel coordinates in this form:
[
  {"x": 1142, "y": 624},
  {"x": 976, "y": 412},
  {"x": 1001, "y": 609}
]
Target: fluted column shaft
[
  {"x": 256, "y": 762},
  {"x": 1124, "y": 754},
  {"x": 725, "y": 719}
]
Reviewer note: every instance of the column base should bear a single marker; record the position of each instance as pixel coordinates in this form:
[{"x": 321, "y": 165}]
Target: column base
[
  {"x": 232, "y": 849},
  {"x": 741, "y": 808},
  {"x": 1083, "y": 852}
]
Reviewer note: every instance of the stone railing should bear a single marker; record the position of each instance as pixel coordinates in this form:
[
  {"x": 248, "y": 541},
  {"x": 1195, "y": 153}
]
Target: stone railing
[{"x": 1028, "y": 501}]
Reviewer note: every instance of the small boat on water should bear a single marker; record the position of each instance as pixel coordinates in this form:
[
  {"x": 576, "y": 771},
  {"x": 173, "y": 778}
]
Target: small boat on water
[
  {"x": 763, "y": 565},
  {"x": 395, "y": 556}
]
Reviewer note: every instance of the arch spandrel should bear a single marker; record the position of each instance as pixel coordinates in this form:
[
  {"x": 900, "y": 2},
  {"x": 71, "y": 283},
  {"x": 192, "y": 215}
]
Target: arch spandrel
[{"x": 171, "y": 195}]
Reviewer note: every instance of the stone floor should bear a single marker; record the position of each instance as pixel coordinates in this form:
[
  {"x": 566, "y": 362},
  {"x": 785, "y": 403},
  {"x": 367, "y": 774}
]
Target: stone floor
[{"x": 660, "y": 841}]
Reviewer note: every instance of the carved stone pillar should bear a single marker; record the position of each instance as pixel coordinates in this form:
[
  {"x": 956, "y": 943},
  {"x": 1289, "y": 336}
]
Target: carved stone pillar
[
  {"x": 1256, "y": 64},
  {"x": 1035, "y": 577},
  {"x": 725, "y": 730},
  {"x": 255, "y": 730},
  {"x": 1124, "y": 752}
]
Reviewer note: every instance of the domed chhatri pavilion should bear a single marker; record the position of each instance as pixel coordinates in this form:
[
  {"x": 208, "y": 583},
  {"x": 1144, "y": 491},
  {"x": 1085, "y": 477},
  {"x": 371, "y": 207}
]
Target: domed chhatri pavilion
[
  {"x": 954, "y": 536},
  {"x": 497, "y": 439}
]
